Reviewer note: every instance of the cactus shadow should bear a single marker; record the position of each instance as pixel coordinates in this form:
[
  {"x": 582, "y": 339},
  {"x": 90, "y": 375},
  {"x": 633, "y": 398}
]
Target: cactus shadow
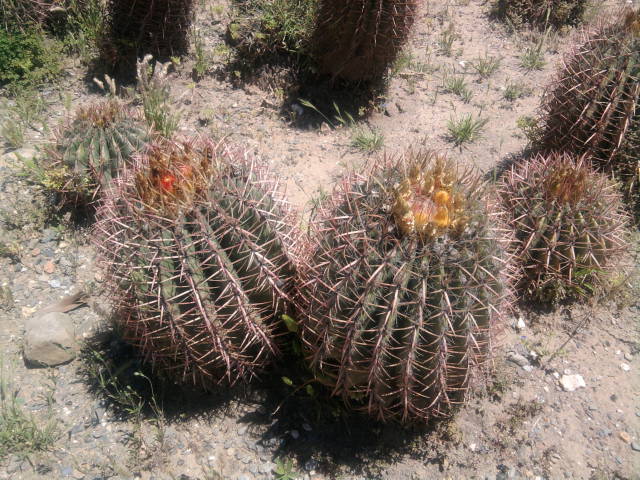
[
  {"x": 323, "y": 435},
  {"x": 309, "y": 99},
  {"x": 121, "y": 382}
]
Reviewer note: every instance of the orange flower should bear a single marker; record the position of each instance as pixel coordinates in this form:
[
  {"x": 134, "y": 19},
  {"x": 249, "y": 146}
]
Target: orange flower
[{"x": 166, "y": 182}]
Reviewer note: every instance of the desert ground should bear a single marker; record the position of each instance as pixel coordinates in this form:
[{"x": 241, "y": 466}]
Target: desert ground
[{"x": 109, "y": 418}]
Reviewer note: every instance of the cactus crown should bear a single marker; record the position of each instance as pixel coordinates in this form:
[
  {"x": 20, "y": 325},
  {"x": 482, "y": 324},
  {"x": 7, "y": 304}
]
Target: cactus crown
[
  {"x": 102, "y": 115},
  {"x": 426, "y": 201},
  {"x": 566, "y": 183},
  {"x": 175, "y": 174}
]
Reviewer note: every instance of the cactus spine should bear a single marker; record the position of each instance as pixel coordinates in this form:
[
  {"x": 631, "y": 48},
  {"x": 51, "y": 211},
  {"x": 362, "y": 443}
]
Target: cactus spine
[
  {"x": 197, "y": 246},
  {"x": 402, "y": 287}
]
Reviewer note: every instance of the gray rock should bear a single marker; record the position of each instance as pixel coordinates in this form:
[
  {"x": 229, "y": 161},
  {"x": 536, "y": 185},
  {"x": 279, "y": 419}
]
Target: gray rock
[
  {"x": 518, "y": 359},
  {"x": 635, "y": 446},
  {"x": 49, "y": 340}
]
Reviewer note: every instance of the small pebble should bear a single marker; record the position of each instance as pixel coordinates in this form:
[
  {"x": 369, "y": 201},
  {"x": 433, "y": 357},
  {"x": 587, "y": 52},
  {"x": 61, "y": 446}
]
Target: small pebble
[
  {"x": 625, "y": 437},
  {"x": 635, "y": 446},
  {"x": 625, "y": 367}
]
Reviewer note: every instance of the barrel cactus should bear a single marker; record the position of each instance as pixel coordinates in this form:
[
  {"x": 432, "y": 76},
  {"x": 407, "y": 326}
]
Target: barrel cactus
[
  {"x": 570, "y": 226},
  {"x": 91, "y": 149},
  {"x": 540, "y": 13},
  {"x": 140, "y": 27},
  {"x": 197, "y": 246},
  {"x": 401, "y": 287},
  {"x": 593, "y": 107},
  {"x": 357, "y": 40}
]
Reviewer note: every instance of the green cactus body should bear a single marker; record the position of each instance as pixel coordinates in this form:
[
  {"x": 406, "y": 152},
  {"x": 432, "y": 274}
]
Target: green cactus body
[
  {"x": 197, "y": 246},
  {"x": 569, "y": 224},
  {"x": 357, "y": 40},
  {"x": 92, "y": 149},
  {"x": 394, "y": 321},
  {"x": 593, "y": 107},
  {"x": 540, "y": 13}
]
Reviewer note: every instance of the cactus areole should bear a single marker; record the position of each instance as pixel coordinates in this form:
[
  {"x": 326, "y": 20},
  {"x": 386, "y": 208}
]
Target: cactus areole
[
  {"x": 402, "y": 287},
  {"x": 197, "y": 243}
]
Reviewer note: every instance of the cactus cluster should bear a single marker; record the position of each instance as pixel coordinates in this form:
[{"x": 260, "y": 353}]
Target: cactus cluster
[
  {"x": 540, "y": 14},
  {"x": 91, "y": 149},
  {"x": 197, "y": 242},
  {"x": 402, "y": 286},
  {"x": 593, "y": 107},
  {"x": 357, "y": 40},
  {"x": 570, "y": 226},
  {"x": 140, "y": 27}
]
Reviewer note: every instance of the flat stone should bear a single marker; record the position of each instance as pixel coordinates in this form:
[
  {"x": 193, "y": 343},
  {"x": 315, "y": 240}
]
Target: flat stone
[
  {"x": 518, "y": 359},
  {"x": 635, "y": 446},
  {"x": 569, "y": 383},
  {"x": 49, "y": 340}
]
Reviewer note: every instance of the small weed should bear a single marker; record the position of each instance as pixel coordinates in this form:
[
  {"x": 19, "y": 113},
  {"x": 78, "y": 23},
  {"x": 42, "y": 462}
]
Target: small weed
[
  {"x": 82, "y": 29},
  {"x": 155, "y": 92},
  {"x": 20, "y": 433},
  {"x": 268, "y": 26},
  {"x": 12, "y": 133},
  {"x": 533, "y": 58},
  {"x": 445, "y": 42},
  {"x": 515, "y": 90},
  {"x": 465, "y": 129},
  {"x": 285, "y": 470},
  {"x": 457, "y": 85},
  {"x": 486, "y": 66},
  {"x": 202, "y": 58},
  {"x": 367, "y": 139},
  {"x": 529, "y": 127}
]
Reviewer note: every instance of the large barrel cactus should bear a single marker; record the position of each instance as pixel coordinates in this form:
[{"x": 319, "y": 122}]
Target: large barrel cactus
[
  {"x": 140, "y": 27},
  {"x": 593, "y": 106},
  {"x": 569, "y": 224},
  {"x": 91, "y": 149},
  {"x": 403, "y": 284},
  {"x": 357, "y": 40},
  {"x": 197, "y": 247}
]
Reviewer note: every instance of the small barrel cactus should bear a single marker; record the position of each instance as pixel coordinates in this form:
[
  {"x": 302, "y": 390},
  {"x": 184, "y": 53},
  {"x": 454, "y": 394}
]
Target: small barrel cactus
[
  {"x": 90, "y": 150},
  {"x": 569, "y": 224},
  {"x": 197, "y": 244},
  {"x": 593, "y": 107},
  {"x": 540, "y": 13},
  {"x": 357, "y": 40},
  {"x": 401, "y": 287}
]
